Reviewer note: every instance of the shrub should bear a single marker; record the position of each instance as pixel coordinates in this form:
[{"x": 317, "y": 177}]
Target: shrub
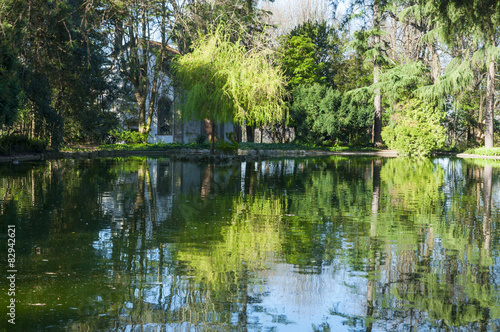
[
  {"x": 129, "y": 136},
  {"x": 201, "y": 139},
  {"x": 322, "y": 115},
  {"x": 12, "y": 144},
  {"x": 225, "y": 147},
  {"x": 416, "y": 130}
]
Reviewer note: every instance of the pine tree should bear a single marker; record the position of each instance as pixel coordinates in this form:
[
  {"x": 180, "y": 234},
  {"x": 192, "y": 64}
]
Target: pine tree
[
  {"x": 368, "y": 41},
  {"x": 480, "y": 20}
]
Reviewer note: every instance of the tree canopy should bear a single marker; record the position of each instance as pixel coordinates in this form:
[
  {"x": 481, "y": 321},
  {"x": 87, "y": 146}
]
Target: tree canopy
[
  {"x": 224, "y": 82},
  {"x": 73, "y": 70}
]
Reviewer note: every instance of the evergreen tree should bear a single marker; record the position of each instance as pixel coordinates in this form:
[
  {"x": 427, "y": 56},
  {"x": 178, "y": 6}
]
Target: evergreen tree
[
  {"x": 368, "y": 41},
  {"x": 300, "y": 61},
  {"x": 10, "y": 86},
  {"x": 60, "y": 49},
  {"x": 480, "y": 19},
  {"x": 329, "y": 48}
]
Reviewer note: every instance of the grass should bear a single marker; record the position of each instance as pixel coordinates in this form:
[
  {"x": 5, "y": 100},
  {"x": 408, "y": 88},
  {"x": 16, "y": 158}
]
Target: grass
[
  {"x": 298, "y": 146},
  {"x": 153, "y": 146},
  {"x": 206, "y": 146},
  {"x": 484, "y": 151},
  {"x": 242, "y": 146}
]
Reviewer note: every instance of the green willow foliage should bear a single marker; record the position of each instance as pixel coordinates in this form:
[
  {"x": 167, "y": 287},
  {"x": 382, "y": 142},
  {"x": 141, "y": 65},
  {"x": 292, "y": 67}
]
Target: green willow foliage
[
  {"x": 224, "y": 82},
  {"x": 416, "y": 130}
]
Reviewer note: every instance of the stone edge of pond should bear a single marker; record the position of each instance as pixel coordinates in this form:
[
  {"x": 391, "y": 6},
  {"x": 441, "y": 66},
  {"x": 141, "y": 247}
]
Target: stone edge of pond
[{"x": 189, "y": 154}]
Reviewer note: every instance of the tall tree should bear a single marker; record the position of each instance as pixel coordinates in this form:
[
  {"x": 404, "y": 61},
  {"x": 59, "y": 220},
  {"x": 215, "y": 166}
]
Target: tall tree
[
  {"x": 368, "y": 40},
  {"x": 377, "y": 67},
  {"x": 481, "y": 19},
  {"x": 224, "y": 82},
  {"x": 300, "y": 62},
  {"x": 62, "y": 65},
  {"x": 329, "y": 48},
  {"x": 10, "y": 86},
  {"x": 140, "y": 54}
]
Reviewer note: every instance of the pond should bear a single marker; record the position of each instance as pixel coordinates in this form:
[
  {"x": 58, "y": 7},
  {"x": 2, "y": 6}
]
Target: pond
[{"x": 325, "y": 244}]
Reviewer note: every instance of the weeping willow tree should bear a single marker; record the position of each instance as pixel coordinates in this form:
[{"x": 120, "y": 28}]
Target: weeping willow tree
[{"x": 224, "y": 82}]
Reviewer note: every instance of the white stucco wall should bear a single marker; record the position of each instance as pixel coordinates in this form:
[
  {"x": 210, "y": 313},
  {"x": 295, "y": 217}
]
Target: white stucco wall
[{"x": 164, "y": 89}]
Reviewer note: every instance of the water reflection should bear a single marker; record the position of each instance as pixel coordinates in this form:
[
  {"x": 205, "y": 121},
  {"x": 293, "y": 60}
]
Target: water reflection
[{"x": 293, "y": 245}]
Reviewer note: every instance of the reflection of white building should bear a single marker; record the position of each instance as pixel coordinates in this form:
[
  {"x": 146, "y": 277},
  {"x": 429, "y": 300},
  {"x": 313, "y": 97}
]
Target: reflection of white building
[{"x": 167, "y": 181}]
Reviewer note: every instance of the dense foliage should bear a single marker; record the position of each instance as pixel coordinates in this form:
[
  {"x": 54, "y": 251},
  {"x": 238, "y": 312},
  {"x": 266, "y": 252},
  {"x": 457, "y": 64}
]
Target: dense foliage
[
  {"x": 10, "y": 86},
  {"x": 328, "y": 57},
  {"x": 415, "y": 130},
  {"x": 325, "y": 116},
  {"x": 72, "y": 71},
  {"x": 299, "y": 61}
]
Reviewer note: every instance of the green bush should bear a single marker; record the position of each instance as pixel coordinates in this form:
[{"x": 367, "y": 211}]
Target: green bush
[
  {"x": 201, "y": 139},
  {"x": 416, "y": 130},
  {"x": 322, "y": 115},
  {"x": 13, "y": 144},
  {"x": 129, "y": 136},
  {"x": 229, "y": 148}
]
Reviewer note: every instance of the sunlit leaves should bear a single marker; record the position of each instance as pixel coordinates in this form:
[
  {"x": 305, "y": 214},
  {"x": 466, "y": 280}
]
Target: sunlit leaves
[
  {"x": 224, "y": 82},
  {"x": 300, "y": 61},
  {"x": 416, "y": 130}
]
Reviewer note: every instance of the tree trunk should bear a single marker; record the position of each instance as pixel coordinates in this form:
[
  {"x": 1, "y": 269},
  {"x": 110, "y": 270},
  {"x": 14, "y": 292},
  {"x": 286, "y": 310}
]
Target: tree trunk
[
  {"x": 210, "y": 131},
  {"x": 479, "y": 129},
  {"x": 237, "y": 133},
  {"x": 141, "y": 103},
  {"x": 151, "y": 107},
  {"x": 250, "y": 134},
  {"x": 377, "y": 121},
  {"x": 490, "y": 102},
  {"x": 435, "y": 67}
]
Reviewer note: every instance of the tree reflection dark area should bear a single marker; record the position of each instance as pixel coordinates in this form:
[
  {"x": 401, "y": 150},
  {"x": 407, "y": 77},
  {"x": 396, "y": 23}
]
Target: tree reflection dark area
[{"x": 343, "y": 244}]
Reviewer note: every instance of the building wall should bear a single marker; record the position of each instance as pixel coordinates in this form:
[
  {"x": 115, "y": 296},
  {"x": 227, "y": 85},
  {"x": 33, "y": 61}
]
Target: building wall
[
  {"x": 193, "y": 129},
  {"x": 166, "y": 91},
  {"x": 179, "y": 132}
]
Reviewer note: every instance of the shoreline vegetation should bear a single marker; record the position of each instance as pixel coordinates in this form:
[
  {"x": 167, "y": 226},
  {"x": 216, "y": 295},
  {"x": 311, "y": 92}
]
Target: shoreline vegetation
[{"x": 246, "y": 151}]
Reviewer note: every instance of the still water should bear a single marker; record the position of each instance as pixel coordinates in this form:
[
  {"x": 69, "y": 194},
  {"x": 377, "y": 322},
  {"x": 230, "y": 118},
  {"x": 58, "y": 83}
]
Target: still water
[{"x": 327, "y": 244}]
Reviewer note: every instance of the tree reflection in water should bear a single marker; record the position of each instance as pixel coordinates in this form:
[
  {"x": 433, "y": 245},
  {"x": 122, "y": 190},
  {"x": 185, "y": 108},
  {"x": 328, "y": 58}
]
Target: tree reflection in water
[{"x": 297, "y": 244}]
